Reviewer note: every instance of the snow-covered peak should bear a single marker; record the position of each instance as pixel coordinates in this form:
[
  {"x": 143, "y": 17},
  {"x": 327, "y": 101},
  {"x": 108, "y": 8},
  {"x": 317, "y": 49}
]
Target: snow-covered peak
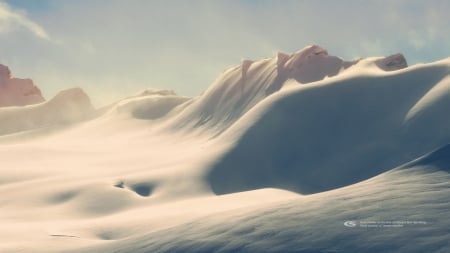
[
  {"x": 301, "y": 57},
  {"x": 245, "y": 66},
  {"x": 311, "y": 64},
  {"x": 282, "y": 58},
  {"x": 17, "y": 91},
  {"x": 238, "y": 89},
  {"x": 75, "y": 103},
  {"x": 68, "y": 106}
]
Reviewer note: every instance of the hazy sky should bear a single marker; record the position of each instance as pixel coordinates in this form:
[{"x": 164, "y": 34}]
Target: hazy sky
[{"x": 114, "y": 48}]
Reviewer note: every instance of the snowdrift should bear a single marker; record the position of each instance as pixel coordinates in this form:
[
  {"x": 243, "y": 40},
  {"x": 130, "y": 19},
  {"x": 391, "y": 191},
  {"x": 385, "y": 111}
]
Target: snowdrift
[
  {"x": 413, "y": 199},
  {"x": 149, "y": 104},
  {"x": 277, "y": 155},
  {"x": 239, "y": 89},
  {"x": 317, "y": 137},
  {"x": 67, "y": 107}
]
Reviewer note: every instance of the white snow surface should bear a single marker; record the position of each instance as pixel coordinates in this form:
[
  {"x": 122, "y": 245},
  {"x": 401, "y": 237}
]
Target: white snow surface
[
  {"x": 67, "y": 107},
  {"x": 275, "y": 156}
]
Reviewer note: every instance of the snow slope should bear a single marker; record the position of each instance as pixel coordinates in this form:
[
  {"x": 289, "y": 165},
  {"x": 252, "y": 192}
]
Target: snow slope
[
  {"x": 274, "y": 157},
  {"x": 354, "y": 121},
  {"x": 239, "y": 89},
  {"x": 68, "y": 106},
  {"x": 411, "y": 200}
]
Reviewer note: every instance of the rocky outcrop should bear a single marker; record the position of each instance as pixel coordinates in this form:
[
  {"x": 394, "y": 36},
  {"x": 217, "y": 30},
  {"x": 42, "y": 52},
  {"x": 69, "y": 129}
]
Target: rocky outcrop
[
  {"x": 17, "y": 91},
  {"x": 392, "y": 62}
]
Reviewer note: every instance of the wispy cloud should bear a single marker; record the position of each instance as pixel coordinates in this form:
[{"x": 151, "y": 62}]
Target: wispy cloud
[{"x": 11, "y": 20}]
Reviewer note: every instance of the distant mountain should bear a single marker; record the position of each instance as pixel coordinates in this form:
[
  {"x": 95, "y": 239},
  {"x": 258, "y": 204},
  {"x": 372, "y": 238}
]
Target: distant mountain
[
  {"x": 17, "y": 91},
  {"x": 68, "y": 106}
]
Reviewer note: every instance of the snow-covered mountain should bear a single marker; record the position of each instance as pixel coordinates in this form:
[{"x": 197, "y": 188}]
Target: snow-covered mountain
[
  {"x": 23, "y": 108},
  {"x": 297, "y": 153}
]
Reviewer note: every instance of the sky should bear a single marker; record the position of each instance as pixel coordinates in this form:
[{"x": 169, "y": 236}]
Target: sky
[{"x": 116, "y": 48}]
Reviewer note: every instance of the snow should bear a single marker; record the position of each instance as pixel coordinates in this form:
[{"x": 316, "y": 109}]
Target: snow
[
  {"x": 239, "y": 89},
  {"x": 355, "y": 122},
  {"x": 315, "y": 223},
  {"x": 68, "y": 106},
  {"x": 275, "y": 156}
]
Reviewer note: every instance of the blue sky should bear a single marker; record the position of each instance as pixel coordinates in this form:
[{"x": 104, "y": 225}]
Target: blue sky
[{"x": 114, "y": 48}]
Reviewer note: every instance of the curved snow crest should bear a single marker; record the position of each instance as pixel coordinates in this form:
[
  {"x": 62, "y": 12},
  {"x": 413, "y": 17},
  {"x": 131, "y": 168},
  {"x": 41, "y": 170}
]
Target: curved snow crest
[
  {"x": 438, "y": 159},
  {"x": 150, "y": 92},
  {"x": 312, "y": 64},
  {"x": 356, "y": 122},
  {"x": 149, "y": 104},
  {"x": 68, "y": 106},
  {"x": 17, "y": 91},
  {"x": 306, "y": 138},
  {"x": 433, "y": 102},
  {"x": 297, "y": 223},
  {"x": 149, "y": 107},
  {"x": 239, "y": 89}
]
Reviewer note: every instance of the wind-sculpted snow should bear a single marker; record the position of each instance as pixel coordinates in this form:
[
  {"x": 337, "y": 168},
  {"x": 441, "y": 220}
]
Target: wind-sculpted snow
[
  {"x": 402, "y": 210},
  {"x": 239, "y": 89},
  {"x": 439, "y": 159},
  {"x": 318, "y": 137},
  {"x": 67, "y": 107},
  {"x": 149, "y": 104},
  {"x": 304, "y": 152}
]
